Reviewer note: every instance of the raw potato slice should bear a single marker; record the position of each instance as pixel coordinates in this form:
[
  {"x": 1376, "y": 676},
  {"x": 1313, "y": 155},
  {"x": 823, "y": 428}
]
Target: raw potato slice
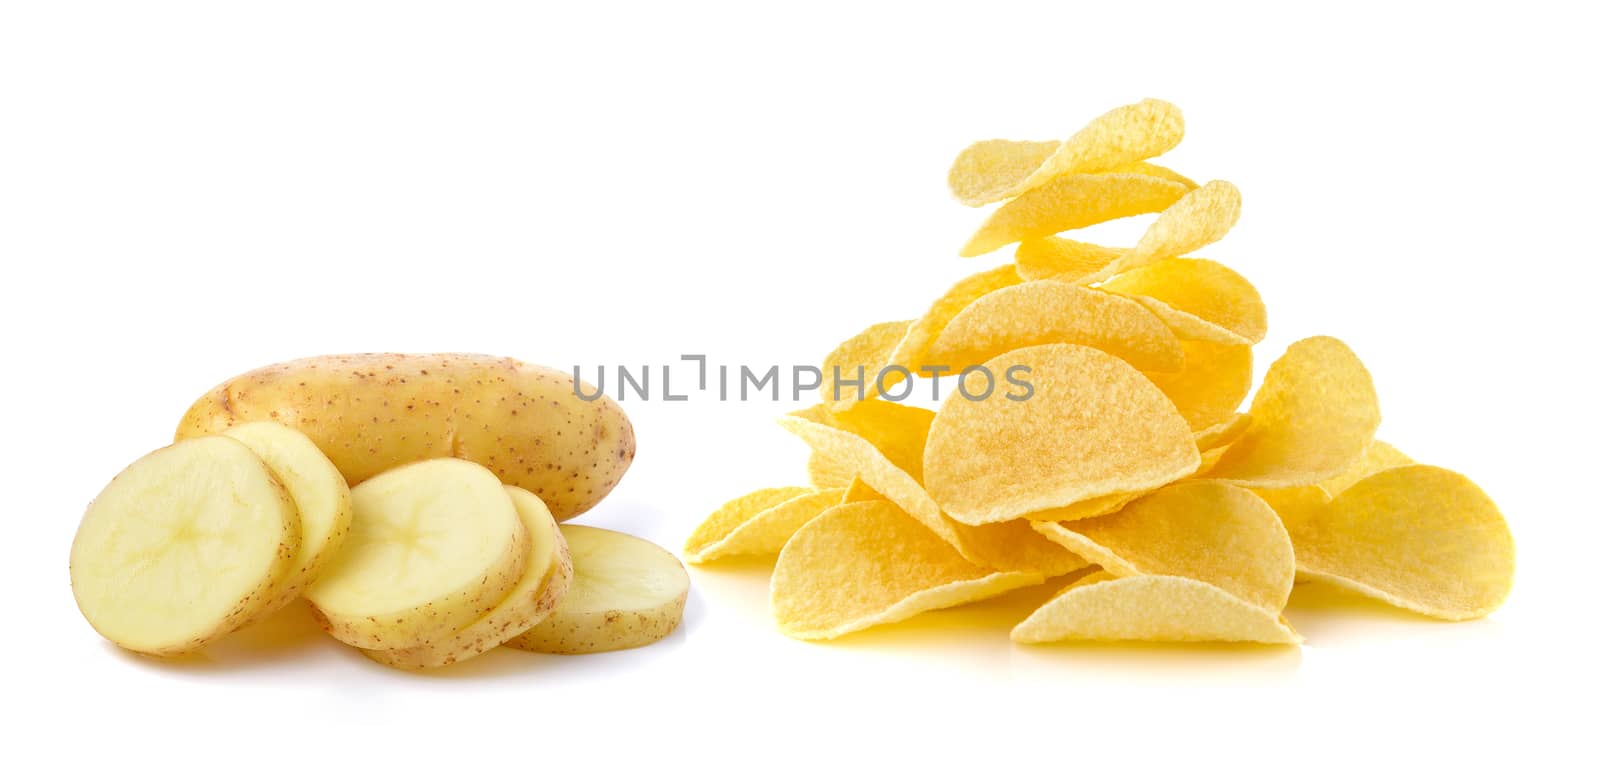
[
  {"x": 626, "y": 593},
  {"x": 1379, "y": 456},
  {"x": 185, "y": 545},
  {"x": 1314, "y": 415},
  {"x": 1073, "y": 201},
  {"x": 868, "y": 563},
  {"x": 756, "y": 524},
  {"x": 1418, "y": 537},
  {"x": 1009, "y": 546},
  {"x": 1200, "y": 299},
  {"x": 435, "y": 545},
  {"x": 1209, "y": 531},
  {"x": 543, "y": 585},
  {"x": 1065, "y": 260},
  {"x": 1094, "y": 426},
  {"x": 862, "y": 356},
  {"x": 319, "y": 493},
  {"x": 1214, "y": 380},
  {"x": 912, "y": 351},
  {"x": 1050, "y": 312},
  {"x": 1100, "y": 607}
]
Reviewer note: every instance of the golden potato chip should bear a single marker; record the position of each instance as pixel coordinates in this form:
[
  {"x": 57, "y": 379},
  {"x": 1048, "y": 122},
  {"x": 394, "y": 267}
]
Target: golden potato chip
[
  {"x": 1222, "y": 434},
  {"x": 858, "y": 491},
  {"x": 1197, "y": 219},
  {"x": 1150, "y": 608},
  {"x": 756, "y": 525},
  {"x": 911, "y": 352},
  {"x": 868, "y": 563},
  {"x": 897, "y": 431},
  {"x": 1206, "y": 530},
  {"x": 1199, "y": 299},
  {"x": 1314, "y": 415},
  {"x": 1050, "y": 312},
  {"x": 1151, "y": 169},
  {"x": 1089, "y": 508},
  {"x": 1379, "y": 456},
  {"x": 827, "y": 474},
  {"x": 860, "y": 357},
  {"x": 993, "y": 169},
  {"x": 1122, "y": 135},
  {"x": 1093, "y": 426},
  {"x": 1214, "y": 380},
  {"x": 1073, "y": 201},
  {"x": 1064, "y": 260},
  {"x": 1418, "y": 537},
  {"x": 1001, "y": 546}
]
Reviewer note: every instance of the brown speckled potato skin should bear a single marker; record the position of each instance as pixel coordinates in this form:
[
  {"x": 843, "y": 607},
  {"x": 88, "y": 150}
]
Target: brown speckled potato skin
[
  {"x": 372, "y": 412},
  {"x": 608, "y": 631}
]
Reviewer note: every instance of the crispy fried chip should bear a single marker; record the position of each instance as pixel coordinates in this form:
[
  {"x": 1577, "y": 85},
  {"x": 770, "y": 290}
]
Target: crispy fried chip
[
  {"x": 1066, "y": 260},
  {"x": 1094, "y": 426},
  {"x": 1197, "y": 219},
  {"x": 1001, "y": 546},
  {"x": 911, "y": 352},
  {"x": 1314, "y": 415},
  {"x": 1150, "y": 608},
  {"x": 1379, "y": 456},
  {"x": 1199, "y": 299},
  {"x": 897, "y": 431},
  {"x": 756, "y": 525},
  {"x": 1218, "y": 533},
  {"x": 827, "y": 474},
  {"x": 1222, "y": 434},
  {"x": 994, "y": 169},
  {"x": 1151, "y": 169},
  {"x": 1050, "y": 312},
  {"x": 1122, "y": 135},
  {"x": 860, "y": 357},
  {"x": 1418, "y": 537},
  {"x": 858, "y": 491},
  {"x": 868, "y": 563},
  {"x": 1090, "y": 508},
  {"x": 1074, "y": 201},
  {"x": 1214, "y": 379}
]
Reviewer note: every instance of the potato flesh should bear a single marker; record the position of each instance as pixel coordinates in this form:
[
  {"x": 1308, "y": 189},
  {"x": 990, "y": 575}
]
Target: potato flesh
[
  {"x": 433, "y": 546},
  {"x": 626, "y": 592},
  {"x": 319, "y": 493},
  {"x": 185, "y": 545},
  {"x": 373, "y": 412},
  {"x": 543, "y": 585}
]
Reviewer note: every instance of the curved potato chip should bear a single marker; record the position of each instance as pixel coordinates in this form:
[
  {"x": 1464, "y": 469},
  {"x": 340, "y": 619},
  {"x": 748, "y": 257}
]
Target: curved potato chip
[
  {"x": 911, "y": 352},
  {"x": 1314, "y": 415},
  {"x": 1199, "y": 299},
  {"x": 1222, "y": 434},
  {"x": 1197, "y": 219},
  {"x": 1379, "y": 456},
  {"x": 1050, "y": 312},
  {"x": 1214, "y": 379},
  {"x": 1151, "y": 169},
  {"x": 1093, "y": 507},
  {"x": 1218, "y": 533},
  {"x": 763, "y": 530},
  {"x": 994, "y": 169},
  {"x": 1122, "y": 135},
  {"x": 1001, "y": 546},
  {"x": 1418, "y": 537},
  {"x": 1073, "y": 201},
  {"x": 1150, "y": 608},
  {"x": 897, "y": 431},
  {"x": 868, "y": 563},
  {"x": 858, "y": 491},
  {"x": 862, "y": 356},
  {"x": 1093, "y": 426},
  {"x": 826, "y": 473},
  {"x": 1066, "y": 260}
]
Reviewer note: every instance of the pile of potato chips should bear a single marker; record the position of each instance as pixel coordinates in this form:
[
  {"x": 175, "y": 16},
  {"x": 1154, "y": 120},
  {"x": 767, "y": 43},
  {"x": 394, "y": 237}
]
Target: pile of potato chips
[{"x": 1128, "y": 465}]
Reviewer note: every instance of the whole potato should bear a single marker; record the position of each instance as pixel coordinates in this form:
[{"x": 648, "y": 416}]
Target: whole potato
[{"x": 372, "y": 412}]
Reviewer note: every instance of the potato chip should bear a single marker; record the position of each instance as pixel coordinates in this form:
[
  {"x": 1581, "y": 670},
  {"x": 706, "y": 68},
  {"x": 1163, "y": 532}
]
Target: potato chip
[
  {"x": 911, "y": 352},
  {"x": 1122, "y": 135},
  {"x": 860, "y": 357},
  {"x": 1151, "y": 169},
  {"x": 868, "y": 563},
  {"x": 1089, "y": 508},
  {"x": 1222, "y": 434},
  {"x": 1065, "y": 260},
  {"x": 1214, "y": 380},
  {"x": 858, "y": 491},
  {"x": 827, "y": 474},
  {"x": 1093, "y": 426},
  {"x": 1206, "y": 530},
  {"x": 1150, "y": 608},
  {"x": 1199, "y": 299},
  {"x": 1379, "y": 456},
  {"x": 1314, "y": 415},
  {"x": 1073, "y": 201},
  {"x": 1001, "y": 546},
  {"x": 994, "y": 169},
  {"x": 897, "y": 431},
  {"x": 1197, "y": 219},
  {"x": 756, "y": 525},
  {"x": 1418, "y": 537},
  {"x": 1050, "y": 312}
]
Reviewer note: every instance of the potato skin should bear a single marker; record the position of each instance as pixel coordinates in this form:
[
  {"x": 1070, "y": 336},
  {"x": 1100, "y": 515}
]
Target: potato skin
[{"x": 372, "y": 412}]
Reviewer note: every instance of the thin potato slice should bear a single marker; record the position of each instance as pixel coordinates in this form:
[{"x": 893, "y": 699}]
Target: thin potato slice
[
  {"x": 1221, "y": 534},
  {"x": 1050, "y": 312},
  {"x": 897, "y": 431},
  {"x": 626, "y": 593},
  {"x": 1199, "y": 299},
  {"x": 543, "y": 585},
  {"x": 185, "y": 545},
  {"x": 1378, "y": 457},
  {"x": 824, "y": 473},
  {"x": 735, "y": 513},
  {"x": 868, "y": 563},
  {"x": 1073, "y": 201},
  {"x": 1222, "y": 434},
  {"x": 1214, "y": 380},
  {"x": 1418, "y": 537},
  {"x": 994, "y": 169},
  {"x": 1094, "y": 426},
  {"x": 1065, "y": 260},
  {"x": 861, "y": 357},
  {"x": 435, "y": 545},
  {"x": 1100, "y": 607},
  {"x": 1199, "y": 218},
  {"x": 912, "y": 351},
  {"x": 1093, "y": 507},
  {"x": 763, "y": 531},
  {"x": 319, "y": 493},
  {"x": 1314, "y": 415}
]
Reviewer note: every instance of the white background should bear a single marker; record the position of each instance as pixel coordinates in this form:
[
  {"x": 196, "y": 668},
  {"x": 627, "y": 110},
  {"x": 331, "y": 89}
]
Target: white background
[{"x": 191, "y": 190}]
